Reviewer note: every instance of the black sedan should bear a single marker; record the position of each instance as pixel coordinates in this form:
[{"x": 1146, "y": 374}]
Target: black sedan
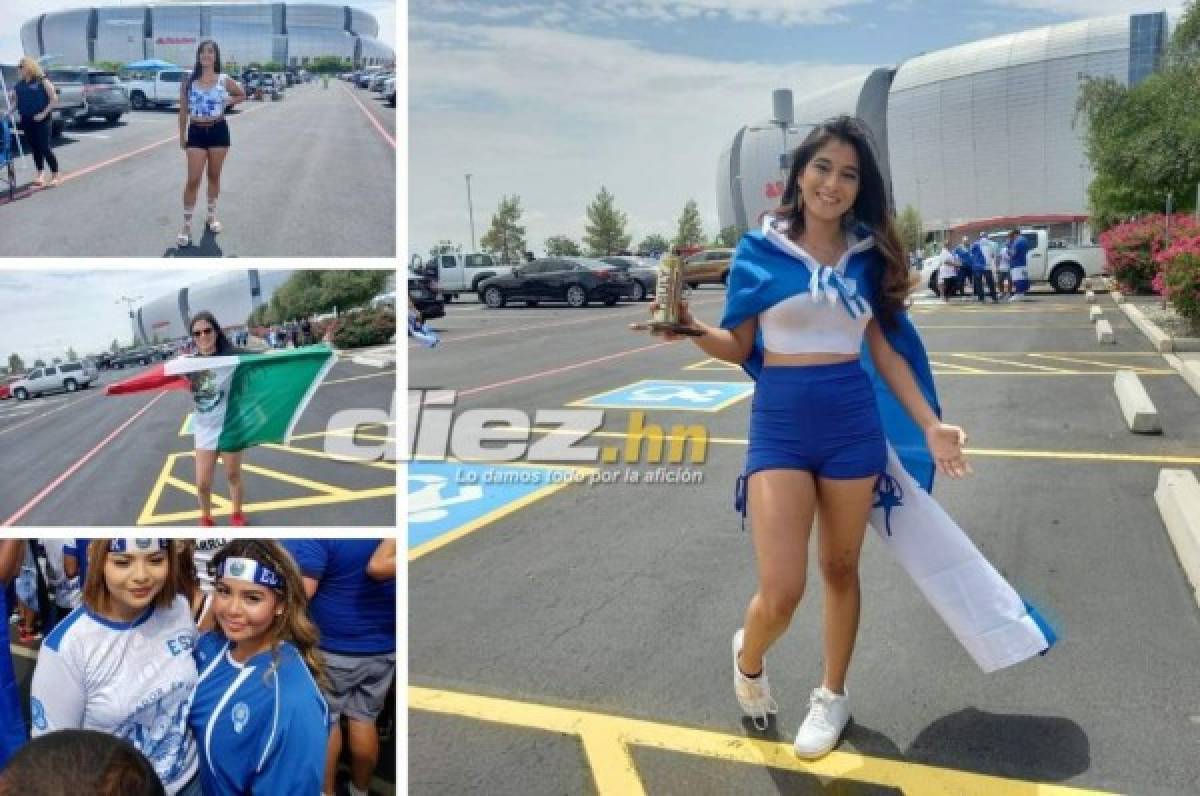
[
  {"x": 423, "y": 295},
  {"x": 642, "y": 270},
  {"x": 575, "y": 280}
]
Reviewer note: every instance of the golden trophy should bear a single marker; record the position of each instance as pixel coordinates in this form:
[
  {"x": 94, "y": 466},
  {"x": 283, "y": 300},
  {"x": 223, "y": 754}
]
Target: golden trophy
[{"x": 668, "y": 297}]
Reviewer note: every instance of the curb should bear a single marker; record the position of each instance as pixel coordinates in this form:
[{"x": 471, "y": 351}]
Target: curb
[
  {"x": 1157, "y": 337},
  {"x": 1178, "y": 499},
  {"x": 377, "y": 361}
]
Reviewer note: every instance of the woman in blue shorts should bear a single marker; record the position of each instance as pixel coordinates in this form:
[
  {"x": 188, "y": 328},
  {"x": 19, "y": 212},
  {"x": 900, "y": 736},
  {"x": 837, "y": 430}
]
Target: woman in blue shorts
[{"x": 826, "y": 272}]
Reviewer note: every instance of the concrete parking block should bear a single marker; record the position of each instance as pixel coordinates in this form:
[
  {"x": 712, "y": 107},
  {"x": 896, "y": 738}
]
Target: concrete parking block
[
  {"x": 1140, "y": 414},
  {"x": 1091, "y": 297},
  {"x": 1158, "y": 338},
  {"x": 376, "y": 360},
  {"x": 1104, "y": 332},
  {"x": 1117, "y": 296},
  {"x": 1178, "y": 499},
  {"x": 1095, "y": 314}
]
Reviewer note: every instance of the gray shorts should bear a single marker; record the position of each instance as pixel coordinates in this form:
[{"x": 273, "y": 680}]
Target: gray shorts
[{"x": 358, "y": 684}]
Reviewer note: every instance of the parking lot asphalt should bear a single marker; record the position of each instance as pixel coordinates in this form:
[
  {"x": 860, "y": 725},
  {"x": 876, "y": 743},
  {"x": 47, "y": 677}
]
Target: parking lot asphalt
[
  {"x": 87, "y": 459},
  {"x": 572, "y": 637},
  {"x": 311, "y": 175}
]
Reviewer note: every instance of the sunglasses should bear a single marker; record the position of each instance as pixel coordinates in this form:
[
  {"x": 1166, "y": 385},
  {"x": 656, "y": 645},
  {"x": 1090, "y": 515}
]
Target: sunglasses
[{"x": 202, "y": 332}]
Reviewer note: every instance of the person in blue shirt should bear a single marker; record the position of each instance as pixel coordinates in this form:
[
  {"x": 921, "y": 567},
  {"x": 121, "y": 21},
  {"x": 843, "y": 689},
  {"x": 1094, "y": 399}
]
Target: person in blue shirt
[
  {"x": 258, "y": 711},
  {"x": 981, "y": 271},
  {"x": 352, "y": 583},
  {"x": 963, "y": 253},
  {"x": 35, "y": 99},
  {"x": 1018, "y": 248},
  {"x": 12, "y": 725}
]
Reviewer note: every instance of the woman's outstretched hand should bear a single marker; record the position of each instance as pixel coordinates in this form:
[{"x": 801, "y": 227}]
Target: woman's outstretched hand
[
  {"x": 946, "y": 445},
  {"x": 685, "y": 318}
]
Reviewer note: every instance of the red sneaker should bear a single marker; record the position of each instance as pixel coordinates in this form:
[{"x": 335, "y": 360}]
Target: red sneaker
[
  {"x": 207, "y": 522},
  {"x": 238, "y": 520}
]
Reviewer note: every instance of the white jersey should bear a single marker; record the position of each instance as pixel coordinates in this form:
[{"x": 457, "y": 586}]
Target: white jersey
[
  {"x": 134, "y": 680},
  {"x": 205, "y": 550},
  {"x": 67, "y": 591}
]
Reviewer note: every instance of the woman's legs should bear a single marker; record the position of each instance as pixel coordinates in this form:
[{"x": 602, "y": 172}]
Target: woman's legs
[
  {"x": 206, "y": 463},
  {"x": 782, "y": 504},
  {"x": 233, "y": 474},
  {"x": 196, "y": 160},
  {"x": 44, "y": 130},
  {"x": 216, "y": 161},
  {"x": 33, "y": 140},
  {"x": 844, "y": 507}
]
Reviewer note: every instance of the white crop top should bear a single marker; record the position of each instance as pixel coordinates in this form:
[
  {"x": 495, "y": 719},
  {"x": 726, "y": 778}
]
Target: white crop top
[
  {"x": 820, "y": 321},
  {"x": 208, "y": 103}
]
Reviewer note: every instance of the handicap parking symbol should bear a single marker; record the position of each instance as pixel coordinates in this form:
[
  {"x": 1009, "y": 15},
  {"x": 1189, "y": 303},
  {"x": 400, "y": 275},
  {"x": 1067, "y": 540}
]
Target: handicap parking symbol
[
  {"x": 696, "y": 396},
  {"x": 448, "y": 499}
]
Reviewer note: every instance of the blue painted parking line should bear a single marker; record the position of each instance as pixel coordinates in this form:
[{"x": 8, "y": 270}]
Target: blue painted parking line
[
  {"x": 448, "y": 499},
  {"x": 695, "y": 396}
]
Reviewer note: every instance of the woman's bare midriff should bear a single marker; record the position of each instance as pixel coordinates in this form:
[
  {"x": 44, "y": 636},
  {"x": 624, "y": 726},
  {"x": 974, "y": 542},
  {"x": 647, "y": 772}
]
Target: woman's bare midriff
[{"x": 773, "y": 358}]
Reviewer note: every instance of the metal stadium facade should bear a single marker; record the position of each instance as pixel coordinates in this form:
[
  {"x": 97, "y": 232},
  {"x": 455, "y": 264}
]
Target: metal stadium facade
[
  {"x": 230, "y": 296},
  {"x": 982, "y": 133},
  {"x": 292, "y": 34}
]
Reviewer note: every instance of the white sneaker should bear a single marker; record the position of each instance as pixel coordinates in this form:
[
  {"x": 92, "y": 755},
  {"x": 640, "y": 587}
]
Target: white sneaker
[
  {"x": 827, "y": 717},
  {"x": 753, "y": 693}
]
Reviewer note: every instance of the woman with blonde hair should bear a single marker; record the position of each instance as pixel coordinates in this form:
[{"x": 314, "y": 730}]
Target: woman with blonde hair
[
  {"x": 258, "y": 712},
  {"x": 35, "y": 98},
  {"x": 121, "y": 662}
]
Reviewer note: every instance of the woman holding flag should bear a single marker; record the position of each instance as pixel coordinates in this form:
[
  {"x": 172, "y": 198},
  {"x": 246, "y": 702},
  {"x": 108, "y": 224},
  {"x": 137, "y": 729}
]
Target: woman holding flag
[
  {"x": 241, "y": 399},
  {"x": 845, "y": 427}
]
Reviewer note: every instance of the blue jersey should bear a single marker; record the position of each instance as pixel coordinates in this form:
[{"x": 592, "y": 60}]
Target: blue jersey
[
  {"x": 978, "y": 257},
  {"x": 355, "y": 613},
  {"x": 12, "y": 724},
  {"x": 261, "y": 730},
  {"x": 964, "y": 256},
  {"x": 1019, "y": 248}
]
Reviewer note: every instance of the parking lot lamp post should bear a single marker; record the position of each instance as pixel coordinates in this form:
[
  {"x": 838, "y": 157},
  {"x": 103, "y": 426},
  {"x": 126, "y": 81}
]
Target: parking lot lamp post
[{"x": 471, "y": 213}]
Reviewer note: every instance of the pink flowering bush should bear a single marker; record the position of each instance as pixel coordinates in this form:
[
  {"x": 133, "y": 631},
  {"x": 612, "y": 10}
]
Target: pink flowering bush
[
  {"x": 1179, "y": 273},
  {"x": 1131, "y": 248}
]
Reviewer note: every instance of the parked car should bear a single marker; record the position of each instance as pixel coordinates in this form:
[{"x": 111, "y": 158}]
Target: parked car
[
  {"x": 158, "y": 89},
  {"x": 642, "y": 270},
  {"x": 133, "y": 358},
  {"x": 67, "y": 377},
  {"x": 5, "y": 385},
  {"x": 423, "y": 294},
  {"x": 70, "y": 99},
  {"x": 710, "y": 267},
  {"x": 575, "y": 280},
  {"x": 454, "y": 273},
  {"x": 376, "y": 82},
  {"x": 102, "y": 92},
  {"x": 389, "y": 91}
]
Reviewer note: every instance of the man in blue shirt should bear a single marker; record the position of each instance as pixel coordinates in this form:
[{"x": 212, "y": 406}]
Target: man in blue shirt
[
  {"x": 352, "y": 586},
  {"x": 12, "y": 724},
  {"x": 981, "y": 253},
  {"x": 1018, "y": 248},
  {"x": 963, "y": 253}
]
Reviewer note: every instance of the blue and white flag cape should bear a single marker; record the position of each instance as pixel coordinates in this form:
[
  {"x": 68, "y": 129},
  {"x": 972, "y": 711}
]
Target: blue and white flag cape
[{"x": 984, "y": 612}]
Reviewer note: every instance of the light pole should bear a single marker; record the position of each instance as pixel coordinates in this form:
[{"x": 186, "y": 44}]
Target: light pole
[
  {"x": 471, "y": 213},
  {"x": 129, "y": 301}
]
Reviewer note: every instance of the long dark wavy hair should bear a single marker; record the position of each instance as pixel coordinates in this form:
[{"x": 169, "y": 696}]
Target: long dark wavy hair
[
  {"x": 871, "y": 208},
  {"x": 216, "y": 61},
  {"x": 224, "y": 347}
]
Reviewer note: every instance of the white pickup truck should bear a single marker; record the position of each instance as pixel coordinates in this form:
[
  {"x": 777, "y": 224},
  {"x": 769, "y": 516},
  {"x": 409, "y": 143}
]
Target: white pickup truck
[
  {"x": 1063, "y": 267},
  {"x": 455, "y": 273},
  {"x": 158, "y": 90}
]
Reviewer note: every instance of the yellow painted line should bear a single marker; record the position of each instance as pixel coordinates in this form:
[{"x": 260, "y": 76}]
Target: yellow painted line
[
  {"x": 342, "y": 431},
  {"x": 498, "y": 513},
  {"x": 357, "y": 378},
  {"x": 295, "y": 480},
  {"x": 712, "y": 363},
  {"x": 160, "y": 483},
  {"x": 217, "y": 500},
  {"x": 959, "y": 368},
  {"x": 1138, "y": 458},
  {"x": 909, "y": 777},
  {"x": 586, "y": 402},
  {"x": 334, "y": 457},
  {"x": 998, "y": 361},
  {"x": 612, "y": 765},
  {"x": 186, "y": 429},
  {"x": 1096, "y": 362},
  {"x": 278, "y": 505}
]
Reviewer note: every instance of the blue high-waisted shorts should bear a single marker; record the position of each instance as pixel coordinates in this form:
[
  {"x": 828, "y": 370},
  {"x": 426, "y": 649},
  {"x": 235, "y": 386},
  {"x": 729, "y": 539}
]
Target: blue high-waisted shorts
[{"x": 820, "y": 418}]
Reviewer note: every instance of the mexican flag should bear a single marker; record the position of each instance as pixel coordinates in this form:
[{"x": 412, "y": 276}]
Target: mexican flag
[{"x": 253, "y": 398}]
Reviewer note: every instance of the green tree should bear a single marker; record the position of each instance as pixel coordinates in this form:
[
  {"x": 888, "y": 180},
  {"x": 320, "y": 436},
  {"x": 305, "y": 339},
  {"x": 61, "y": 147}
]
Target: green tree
[
  {"x": 1143, "y": 142},
  {"x": 107, "y": 66},
  {"x": 506, "y": 237},
  {"x": 727, "y": 237},
  {"x": 71, "y": 355},
  {"x": 690, "y": 231},
  {"x": 605, "y": 232},
  {"x": 329, "y": 65},
  {"x": 910, "y": 229},
  {"x": 562, "y": 246},
  {"x": 273, "y": 66},
  {"x": 15, "y": 363},
  {"x": 343, "y": 289},
  {"x": 654, "y": 244}
]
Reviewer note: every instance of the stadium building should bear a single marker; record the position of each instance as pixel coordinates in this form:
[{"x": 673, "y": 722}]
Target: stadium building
[
  {"x": 982, "y": 135},
  {"x": 292, "y": 34},
  {"x": 230, "y": 297}
]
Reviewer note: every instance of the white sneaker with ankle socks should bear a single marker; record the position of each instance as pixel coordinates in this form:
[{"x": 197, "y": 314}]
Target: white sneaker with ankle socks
[
  {"x": 828, "y": 714},
  {"x": 753, "y": 693}
]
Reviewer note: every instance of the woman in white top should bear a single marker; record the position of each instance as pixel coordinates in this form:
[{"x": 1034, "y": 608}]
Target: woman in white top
[
  {"x": 122, "y": 663},
  {"x": 203, "y": 132}
]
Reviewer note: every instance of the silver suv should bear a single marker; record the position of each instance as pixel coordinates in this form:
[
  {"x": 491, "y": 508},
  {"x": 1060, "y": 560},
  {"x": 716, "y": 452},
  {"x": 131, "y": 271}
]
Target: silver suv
[{"x": 68, "y": 377}]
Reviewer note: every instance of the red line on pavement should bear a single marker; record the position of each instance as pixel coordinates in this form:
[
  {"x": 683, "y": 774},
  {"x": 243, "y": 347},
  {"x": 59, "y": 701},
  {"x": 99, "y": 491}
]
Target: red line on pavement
[
  {"x": 371, "y": 117},
  {"x": 21, "y": 512},
  {"x": 564, "y": 368}
]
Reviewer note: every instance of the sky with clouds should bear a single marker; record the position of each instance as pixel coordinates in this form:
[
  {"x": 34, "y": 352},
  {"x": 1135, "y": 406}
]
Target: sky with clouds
[
  {"x": 550, "y": 100},
  {"x": 47, "y": 312}
]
